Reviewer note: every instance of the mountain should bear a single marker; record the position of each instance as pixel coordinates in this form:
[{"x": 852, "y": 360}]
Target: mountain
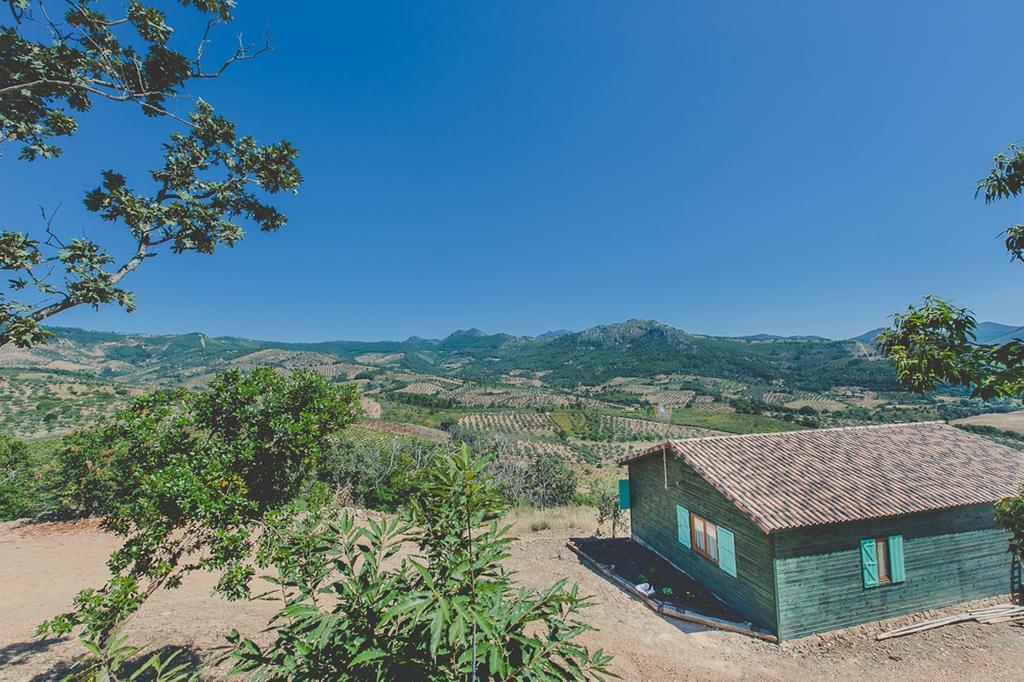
[
  {"x": 775, "y": 337},
  {"x": 553, "y": 334},
  {"x": 637, "y": 348},
  {"x": 993, "y": 332},
  {"x": 869, "y": 336},
  {"x": 986, "y": 332}
]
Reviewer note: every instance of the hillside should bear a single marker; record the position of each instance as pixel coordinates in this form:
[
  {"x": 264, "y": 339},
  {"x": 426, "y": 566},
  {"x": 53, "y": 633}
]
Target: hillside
[
  {"x": 636, "y": 348},
  {"x": 586, "y": 396},
  {"x": 985, "y": 332}
]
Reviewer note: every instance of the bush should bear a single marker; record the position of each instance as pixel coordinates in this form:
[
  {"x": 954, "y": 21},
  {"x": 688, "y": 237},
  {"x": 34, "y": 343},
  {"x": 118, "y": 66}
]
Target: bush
[
  {"x": 28, "y": 482},
  {"x": 540, "y": 481},
  {"x": 192, "y": 473},
  {"x": 16, "y": 487},
  {"x": 606, "y": 500},
  {"x": 449, "y": 613},
  {"x": 1010, "y": 515},
  {"x": 375, "y": 476}
]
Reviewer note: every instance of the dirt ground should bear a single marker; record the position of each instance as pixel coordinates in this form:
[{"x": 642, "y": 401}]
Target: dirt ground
[
  {"x": 43, "y": 565},
  {"x": 1007, "y": 421}
]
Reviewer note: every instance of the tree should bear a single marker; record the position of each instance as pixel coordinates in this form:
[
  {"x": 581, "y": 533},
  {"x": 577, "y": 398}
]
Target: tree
[
  {"x": 211, "y": 183},
  {"x": 377, "y": 476},
  {"x": 15, "y": 477},
  {"x": 606, "y": 499},
  {"x": 935, "y": 343},
  {"x": 448, "y": 612},
  {"x": 552, "y": 482},
  {"x": 187, "y": 477}
]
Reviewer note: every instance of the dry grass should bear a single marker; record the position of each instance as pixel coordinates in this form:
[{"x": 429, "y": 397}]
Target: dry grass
[{"x": 527, "y": 521}]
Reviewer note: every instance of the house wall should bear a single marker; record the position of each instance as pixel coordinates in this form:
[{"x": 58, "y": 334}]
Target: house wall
[
  {"x": 951, "y": 556},
  {"x": 653, "y": 514}
]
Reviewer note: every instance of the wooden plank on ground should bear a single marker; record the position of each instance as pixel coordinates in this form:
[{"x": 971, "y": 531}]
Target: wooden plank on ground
[{"x": 995, "y": 614}]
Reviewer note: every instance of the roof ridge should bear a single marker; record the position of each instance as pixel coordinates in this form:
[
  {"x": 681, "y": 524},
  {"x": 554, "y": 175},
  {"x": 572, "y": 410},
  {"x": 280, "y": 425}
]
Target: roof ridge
[{"x": 729, "y": 436}]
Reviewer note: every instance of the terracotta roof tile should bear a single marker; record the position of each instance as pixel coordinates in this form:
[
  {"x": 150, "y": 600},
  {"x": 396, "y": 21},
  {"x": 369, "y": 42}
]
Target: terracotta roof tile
[{"x": 809, "y": 478}]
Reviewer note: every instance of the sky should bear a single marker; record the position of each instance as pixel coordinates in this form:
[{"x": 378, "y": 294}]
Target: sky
[{"x": 725, "y": 168}]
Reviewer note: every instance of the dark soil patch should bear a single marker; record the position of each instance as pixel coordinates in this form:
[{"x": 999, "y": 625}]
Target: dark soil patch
[
  {"x": 638, "y": 565},
  {"x": 47, "y": 528}
]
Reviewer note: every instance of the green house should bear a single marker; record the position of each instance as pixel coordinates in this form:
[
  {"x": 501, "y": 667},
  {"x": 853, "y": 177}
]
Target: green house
[{"x": 809, "y": 531}]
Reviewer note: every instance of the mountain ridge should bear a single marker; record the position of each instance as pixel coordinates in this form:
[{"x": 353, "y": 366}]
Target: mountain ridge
[{"x": 643, "y": 348}]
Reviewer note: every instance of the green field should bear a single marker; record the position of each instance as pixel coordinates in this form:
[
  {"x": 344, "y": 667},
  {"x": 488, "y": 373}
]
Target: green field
[{"x": 732, "y": 422}]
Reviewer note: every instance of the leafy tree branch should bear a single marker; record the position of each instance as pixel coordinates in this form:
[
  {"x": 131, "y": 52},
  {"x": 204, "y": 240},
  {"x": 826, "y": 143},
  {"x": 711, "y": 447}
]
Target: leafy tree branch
[
  {"x": 936, "y": 343},
  {"x": 211, "y": 184}
]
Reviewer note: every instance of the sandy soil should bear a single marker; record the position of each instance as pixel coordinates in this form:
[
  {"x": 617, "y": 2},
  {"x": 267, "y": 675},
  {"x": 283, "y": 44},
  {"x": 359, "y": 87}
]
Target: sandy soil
[{"x": 43, "y": 565}]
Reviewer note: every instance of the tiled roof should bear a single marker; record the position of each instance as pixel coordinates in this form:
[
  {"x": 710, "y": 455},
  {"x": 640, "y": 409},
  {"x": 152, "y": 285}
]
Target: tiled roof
[{"x": 809, "y": 478}]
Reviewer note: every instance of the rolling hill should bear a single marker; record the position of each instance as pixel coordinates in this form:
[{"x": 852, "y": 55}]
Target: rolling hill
[{"x": 637, "y": 348}]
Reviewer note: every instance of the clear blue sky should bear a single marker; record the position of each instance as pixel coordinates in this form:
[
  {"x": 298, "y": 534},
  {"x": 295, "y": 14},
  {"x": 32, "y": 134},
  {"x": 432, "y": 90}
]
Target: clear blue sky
[{"x": 726, "y": 168}]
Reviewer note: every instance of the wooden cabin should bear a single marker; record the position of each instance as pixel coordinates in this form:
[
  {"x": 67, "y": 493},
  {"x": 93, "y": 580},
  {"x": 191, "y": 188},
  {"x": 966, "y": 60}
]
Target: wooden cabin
[{"x": 809, "y": 531}]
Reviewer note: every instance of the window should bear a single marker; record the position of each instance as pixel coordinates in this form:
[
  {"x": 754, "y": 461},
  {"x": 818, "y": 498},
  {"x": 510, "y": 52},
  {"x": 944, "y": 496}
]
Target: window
[
  {"x": 704, "y": 538},
  {"x": 882, "y": 553},
  {"x": 882, "y": 561}
]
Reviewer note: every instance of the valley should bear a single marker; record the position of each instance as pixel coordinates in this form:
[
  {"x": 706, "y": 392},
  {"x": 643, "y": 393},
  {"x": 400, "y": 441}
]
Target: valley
[{"x": 587, "y": 397}]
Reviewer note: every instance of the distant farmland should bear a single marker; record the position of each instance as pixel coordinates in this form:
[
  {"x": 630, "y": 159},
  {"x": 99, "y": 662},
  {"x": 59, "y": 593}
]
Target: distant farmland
[{"x": 1004, "y": 421}]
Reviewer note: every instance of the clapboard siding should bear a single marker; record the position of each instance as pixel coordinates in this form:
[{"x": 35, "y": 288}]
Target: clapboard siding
[
  {"x": 653, "y": 515},
  {"x": 951, "y": 556}
]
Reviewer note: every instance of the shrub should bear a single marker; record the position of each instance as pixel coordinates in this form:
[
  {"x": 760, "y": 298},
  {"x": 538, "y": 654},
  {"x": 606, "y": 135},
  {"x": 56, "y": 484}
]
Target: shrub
[
  {"x": 15, "y": 478},
  {"x": 606, "y": 499},
  {"x": 541, "y": 481},
  {"x": 28, "y": 483},
  {"x": 186, "y": 474},
  {"x": 450, "y": 612},
  {"x": 1010, "y": 515},
  {"x": 376, "y": 476}
]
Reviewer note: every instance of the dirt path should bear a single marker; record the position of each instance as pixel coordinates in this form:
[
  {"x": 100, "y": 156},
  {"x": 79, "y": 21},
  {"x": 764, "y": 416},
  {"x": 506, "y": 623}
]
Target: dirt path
[{"x": 44, "y": 565}]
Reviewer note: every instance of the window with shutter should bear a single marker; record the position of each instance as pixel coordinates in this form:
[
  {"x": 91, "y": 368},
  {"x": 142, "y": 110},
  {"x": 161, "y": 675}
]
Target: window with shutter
[
  {"x": 897, "y": 570},
  {"x": 727, "y": 551},
  {"x": 624, "y": 493},
  {"x": 683, "y": 525},
  {"x": 869, "y": 562},
  {"x": 882, "y": 561},
  {"x": 704, "y": 537}
]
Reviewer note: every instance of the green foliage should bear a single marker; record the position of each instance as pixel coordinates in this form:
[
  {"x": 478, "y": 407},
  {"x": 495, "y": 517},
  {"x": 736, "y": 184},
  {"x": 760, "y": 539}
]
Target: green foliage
[
  {"x": 731, "y": 422},
  {"x": 449, "y": 612},
  {"x": 1010, "y": 515},
  {"x": 1011, "y": 438},
  {"x": 550, "y": 481},
  {"x": 112, "y": 662},
  {"x": 375, "y": 475},
  {"x": 15, "y": 478},
  {"x": 210, "y": 183},
  {"x": 606, "y": 500},
  {"x": 28, "y": 478},
  {"x": 186, "y": 476},
  {"x": 435, "y": 402},
  {"x": 540, "y": 480},
  {"x": 936, "y": 343}
]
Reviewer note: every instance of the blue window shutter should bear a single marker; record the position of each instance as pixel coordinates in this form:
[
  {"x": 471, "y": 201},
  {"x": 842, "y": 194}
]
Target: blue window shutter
[
  {"x": 624, "y": 493},
  {"x": 869, "y": 562},
  {"x": 727, "y": 551},
  {"x": 683, "y": 525},
  {"x": 896, "y": 567}
]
